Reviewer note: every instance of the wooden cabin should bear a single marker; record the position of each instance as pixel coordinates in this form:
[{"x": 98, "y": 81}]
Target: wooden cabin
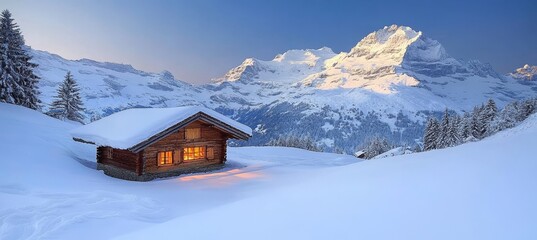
[{"x": 143, "y": 144}]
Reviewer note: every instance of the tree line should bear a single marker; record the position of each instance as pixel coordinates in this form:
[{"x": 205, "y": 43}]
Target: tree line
[
  {"x": 451, "y": 130},
  {"x": 482, "y": 122},
  {"x": 303, "y": 142},
  {"x": 18, "y": 81}
]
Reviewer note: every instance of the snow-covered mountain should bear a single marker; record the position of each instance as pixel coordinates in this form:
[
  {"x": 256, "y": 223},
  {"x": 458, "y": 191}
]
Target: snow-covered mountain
[
  {"x": 525, "y": 73},
  {"x": 110, "y": 87},
  {"x": 386, "y": 85}
]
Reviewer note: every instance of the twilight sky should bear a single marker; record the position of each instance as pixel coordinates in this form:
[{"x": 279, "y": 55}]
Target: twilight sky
[{"x": 201, "y": 39}]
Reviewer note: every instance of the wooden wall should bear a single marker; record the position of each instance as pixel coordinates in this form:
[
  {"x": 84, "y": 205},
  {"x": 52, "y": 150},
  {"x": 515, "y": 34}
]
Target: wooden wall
[
  {"x": 119, "y": 158},
  {"x": 210, "y": 137}
]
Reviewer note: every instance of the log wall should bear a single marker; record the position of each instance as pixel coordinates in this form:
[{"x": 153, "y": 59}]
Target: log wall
[{"x": 123, "y": 159}]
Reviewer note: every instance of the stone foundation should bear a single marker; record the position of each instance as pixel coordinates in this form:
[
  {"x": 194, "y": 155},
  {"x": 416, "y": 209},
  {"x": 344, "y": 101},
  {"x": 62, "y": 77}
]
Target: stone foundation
[{"x": 131, "y": 176}]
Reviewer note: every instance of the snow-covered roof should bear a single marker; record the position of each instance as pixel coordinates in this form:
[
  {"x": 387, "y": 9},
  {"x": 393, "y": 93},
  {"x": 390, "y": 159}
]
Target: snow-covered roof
[{"x": 130, "y": 127}]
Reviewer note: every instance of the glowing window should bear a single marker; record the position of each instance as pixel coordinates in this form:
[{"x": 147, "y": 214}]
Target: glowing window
[
  {"x": 193, "y": 133},
  {"x": 193, "y": 153},
  {"x": 165, "y": 158}
]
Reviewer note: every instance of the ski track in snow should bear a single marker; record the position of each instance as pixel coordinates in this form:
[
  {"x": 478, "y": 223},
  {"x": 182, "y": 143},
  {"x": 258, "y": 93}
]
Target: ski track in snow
[{"x": 60, "y": 210}]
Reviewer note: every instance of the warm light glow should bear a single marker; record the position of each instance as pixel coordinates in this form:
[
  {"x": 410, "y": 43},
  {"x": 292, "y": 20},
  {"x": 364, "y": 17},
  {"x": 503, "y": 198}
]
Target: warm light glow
[
  {"x": 193, "y": 153},
  {"x": 165, "y": 158},
  {"x": 224, "y": 178}
]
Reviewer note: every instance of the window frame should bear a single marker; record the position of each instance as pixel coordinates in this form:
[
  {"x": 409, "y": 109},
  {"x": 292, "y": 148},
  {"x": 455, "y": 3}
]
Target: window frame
[
  {"x": 201, "y": 154},
  {"x": 165, "y": 158}
]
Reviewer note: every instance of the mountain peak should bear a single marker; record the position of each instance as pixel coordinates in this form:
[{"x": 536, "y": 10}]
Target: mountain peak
[
  {"x": 389, "y": 35},
  {"x": 388, "y": 32},
  {"x": 165, "y": 74},
  {"x": 527, "y": 72},
  {"x": 307, "y": 56},
  {"x": 386, "y": 46},
  {"x": 300, "y": 61},
  {"x": 247, "y": 70}
]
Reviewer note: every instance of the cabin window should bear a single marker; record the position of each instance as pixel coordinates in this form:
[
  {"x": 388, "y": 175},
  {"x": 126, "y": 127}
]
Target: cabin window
[
  {"x": 193, "y": 153},
  {"x": 193, "y": 133},
  {"x": 165, "y": 158},
  {"x": 210, "y": 153}
]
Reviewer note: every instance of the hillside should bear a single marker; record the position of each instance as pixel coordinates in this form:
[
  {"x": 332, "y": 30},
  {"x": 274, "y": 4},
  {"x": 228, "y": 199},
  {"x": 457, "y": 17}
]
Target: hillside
[
  {"x": 386, "y": 85},
  {"x": 49, "y": 189},
  {"x": 481, "y": 190}
]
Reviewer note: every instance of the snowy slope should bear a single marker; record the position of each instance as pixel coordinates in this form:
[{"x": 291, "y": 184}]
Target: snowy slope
[
  {"x": 49, "y": 188},
  {"x": 482, "y": 190}
]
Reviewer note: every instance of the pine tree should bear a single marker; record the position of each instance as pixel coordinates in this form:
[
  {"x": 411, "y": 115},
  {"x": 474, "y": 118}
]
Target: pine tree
[
  {"x": 507, "y": 118},
  {"x": 443, "y": 133},
  {"x": 453, "y": 134},
  {"x": 432, "y": 131},
  {"x": 465, "y": 127},
  {"x": 67, "y": 103},
  {"x": 375, "y": 146},
  {"x": 477, "y": 125},
  {"x": 487, "y": 116},
  {"x": 528, "y": 107},
  {"x": 303, "y": 142},
  {"x": 18, "y": 83}
]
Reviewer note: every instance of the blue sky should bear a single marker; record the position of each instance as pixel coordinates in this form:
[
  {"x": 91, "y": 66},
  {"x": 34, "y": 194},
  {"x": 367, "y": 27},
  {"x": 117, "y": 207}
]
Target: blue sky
[{"x": 200, "y": 40}]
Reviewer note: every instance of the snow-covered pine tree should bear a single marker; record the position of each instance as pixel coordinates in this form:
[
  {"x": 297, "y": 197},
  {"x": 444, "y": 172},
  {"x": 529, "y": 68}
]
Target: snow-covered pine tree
[
  {"x": 487, "y": 116},
  {"x": 519, "y": 113},
  {"x": 465, "y": 126},
  {"x": 528, "y": 107},
  {"x": 375, "y": 146},
  {"x": 67, "y": 103},
  {"x": 432, "y": 131},
  {"x": 453, "y": 134},
  {"x": 477, "y": 125},
  {"x": 303, "y": 142},
  {"x": 18, "y": 83},
  {"x": 443, "y": 141},
  {"x": 507, "y": 117},
  {"x": 94, "y": 117},
  {"x": 417, "y": 149}
]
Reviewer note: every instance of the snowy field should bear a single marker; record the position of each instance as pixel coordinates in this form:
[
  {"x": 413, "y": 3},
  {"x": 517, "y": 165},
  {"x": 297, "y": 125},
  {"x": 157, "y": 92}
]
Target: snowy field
[{"x": 49, "y": 189}]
